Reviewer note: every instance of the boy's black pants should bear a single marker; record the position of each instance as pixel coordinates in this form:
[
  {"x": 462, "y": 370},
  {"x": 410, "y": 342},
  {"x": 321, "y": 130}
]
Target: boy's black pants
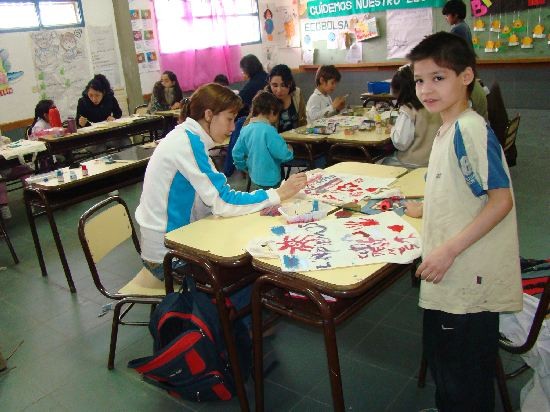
[{"x": 461, "y": 353}]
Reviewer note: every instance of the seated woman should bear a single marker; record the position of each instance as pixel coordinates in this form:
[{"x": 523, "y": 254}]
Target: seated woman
[
  {"x": 167, "y": 94},
  {"x": 281, "y": 84},
  {"x": 256, "y": 77},
  {"x": 415, "y": 128},
  {"x": 97, "y": 104},
  {"x": 182, "y": 185}
]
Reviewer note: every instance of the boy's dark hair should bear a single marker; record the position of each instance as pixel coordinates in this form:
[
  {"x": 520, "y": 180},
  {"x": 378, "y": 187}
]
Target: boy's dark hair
[
  {"x": 251, "y": 65},
  {"x": 221, "y": 79},
  {"x": 446, "y": 50},
  {"x": 327, "y": 73},
  {"x": 456, "y": 8},
  {"x": 403, "y": 88},
  {"x": 265, "y": 103},
  {"x": 285, "y": 73}
]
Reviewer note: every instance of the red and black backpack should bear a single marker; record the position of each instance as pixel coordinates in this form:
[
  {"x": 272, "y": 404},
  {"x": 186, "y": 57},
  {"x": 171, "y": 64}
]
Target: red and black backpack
[{"x": 190, "y": 359}]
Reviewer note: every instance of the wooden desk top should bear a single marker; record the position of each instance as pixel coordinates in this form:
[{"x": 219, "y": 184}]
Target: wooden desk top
[
  {"x": 366, "y": 169},
  {"x": 130, "y": 158},
  {"x": 169, "y": 113},
  {"x": 103, "y": 127},
  {"x": 360, "y": 137},
  {"x": 299, "y": 135},
  {"x": 224, "y": 240},
  {"x": 413, "y": 183}
]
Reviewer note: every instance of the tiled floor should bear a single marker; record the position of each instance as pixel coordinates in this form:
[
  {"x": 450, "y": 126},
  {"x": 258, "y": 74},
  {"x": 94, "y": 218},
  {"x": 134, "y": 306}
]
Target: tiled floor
[{"x": 61, "y": 365}]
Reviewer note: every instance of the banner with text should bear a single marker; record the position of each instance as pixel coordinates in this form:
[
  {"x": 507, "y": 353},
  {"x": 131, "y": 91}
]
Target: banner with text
[{"x": 318, "y": 9}]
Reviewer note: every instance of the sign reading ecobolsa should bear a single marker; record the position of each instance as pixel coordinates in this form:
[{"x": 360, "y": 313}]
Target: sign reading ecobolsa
[{"x": 318, "y": 9}]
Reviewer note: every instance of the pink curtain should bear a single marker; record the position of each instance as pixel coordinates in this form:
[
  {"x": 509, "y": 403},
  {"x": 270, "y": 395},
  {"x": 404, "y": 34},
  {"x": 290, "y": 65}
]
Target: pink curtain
[{"x": 197, "y": 67}]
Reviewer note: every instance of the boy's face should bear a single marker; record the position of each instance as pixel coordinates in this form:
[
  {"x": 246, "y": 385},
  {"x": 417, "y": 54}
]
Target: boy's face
[
  {"x": 273, "y": 118},
  {"x": 440, "y": 89},
  {"x": 452, "y": 19},
  {"x": 327, "y": 86}
]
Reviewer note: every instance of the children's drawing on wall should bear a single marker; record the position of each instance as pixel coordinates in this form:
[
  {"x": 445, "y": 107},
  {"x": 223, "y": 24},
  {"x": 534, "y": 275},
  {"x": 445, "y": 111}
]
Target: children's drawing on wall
[
  {"x": 364, "y": 27},
  {"x": 270, "y": 56},
  {"x": 61, "y": 66},
  {"x": 480, "y": 8},
  {"x": 268, "y": 24},
  {"x": 280, "y": 24},
  {"x": 7, "y": 76},
  {"x": 406, "y": 28}
]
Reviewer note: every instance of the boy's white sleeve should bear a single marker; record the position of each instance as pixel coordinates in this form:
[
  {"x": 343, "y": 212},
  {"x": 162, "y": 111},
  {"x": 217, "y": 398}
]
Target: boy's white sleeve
[
  {"x": 402, "y": 133},
  {"x": 317, "y": 108}
]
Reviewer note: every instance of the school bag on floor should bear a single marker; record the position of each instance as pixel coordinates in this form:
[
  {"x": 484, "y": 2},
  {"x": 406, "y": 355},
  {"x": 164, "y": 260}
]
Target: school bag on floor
[{"x": 190, "y": 359}]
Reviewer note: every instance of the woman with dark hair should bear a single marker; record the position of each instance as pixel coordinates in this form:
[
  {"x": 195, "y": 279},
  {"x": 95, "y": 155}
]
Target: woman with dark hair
[
  {"x": 166, "y": 94},
  {"x": 254, "y": 72},
  {"x": 98, "y": 103},
  {"x": 281, "y": 84}
]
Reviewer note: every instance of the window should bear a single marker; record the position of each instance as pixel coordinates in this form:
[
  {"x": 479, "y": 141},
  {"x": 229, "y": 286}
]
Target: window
[
  {"x": 199, "y": 24},
  {"x": 21, "y": 15}
]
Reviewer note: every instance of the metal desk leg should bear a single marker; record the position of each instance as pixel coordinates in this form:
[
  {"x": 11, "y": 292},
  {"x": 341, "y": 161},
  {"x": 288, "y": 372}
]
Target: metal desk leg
[
  {"x": 59, "y": 246},
  {"x": 34, "y": 232},
  {"x": 257, "y": 345},
  {"x": 6, "y": 237}
]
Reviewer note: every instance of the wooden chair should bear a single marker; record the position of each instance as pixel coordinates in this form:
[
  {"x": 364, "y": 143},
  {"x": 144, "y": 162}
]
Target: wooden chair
[
  {"x": 141, "y": 110},
  {"x": 4, "y": 234},
  {"x": 101, "y": 230},
  {"x": 540, "y": 315},
  {"x": 509, "y": 146}
]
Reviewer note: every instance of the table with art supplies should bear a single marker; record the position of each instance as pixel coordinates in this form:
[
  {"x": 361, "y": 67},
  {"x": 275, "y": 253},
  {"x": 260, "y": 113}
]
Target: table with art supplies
[
  {"x": 45, "y": 193},
  {"x": 20, "y": 152},
  {"x": 205, "y": 241},
  {"x": 99, "y": 133}
]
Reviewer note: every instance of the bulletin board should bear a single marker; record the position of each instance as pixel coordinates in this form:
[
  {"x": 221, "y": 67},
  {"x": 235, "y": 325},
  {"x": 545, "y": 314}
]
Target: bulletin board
[{"x": 375, "y": 49}]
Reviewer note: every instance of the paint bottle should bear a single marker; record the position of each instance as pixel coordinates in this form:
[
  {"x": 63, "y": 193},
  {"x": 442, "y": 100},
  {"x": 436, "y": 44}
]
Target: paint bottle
[
  {"x": 84, "y": 171},
  {"x": 60, "y": 178},
  {"x": 72, "y": 175},
  {"x": 71, "y": 125},
  {"x": 54, "y": 117}
]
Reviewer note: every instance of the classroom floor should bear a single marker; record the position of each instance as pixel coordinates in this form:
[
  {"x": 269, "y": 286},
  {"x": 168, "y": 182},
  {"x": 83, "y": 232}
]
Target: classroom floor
[{"x": 61, "y": 364}]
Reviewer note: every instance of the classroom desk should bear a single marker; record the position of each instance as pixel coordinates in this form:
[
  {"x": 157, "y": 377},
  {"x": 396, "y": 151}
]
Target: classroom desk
[
  {"x": 357, "y": 146},
  {"x": 44, "y": 197},
  {"x": 206, "y": 240},
  {"x": 307, "y": 146},
  {"x": 383, "y": 97},
  {"x": 103, "y": 132},
  {"x": 353, "y": 287}
]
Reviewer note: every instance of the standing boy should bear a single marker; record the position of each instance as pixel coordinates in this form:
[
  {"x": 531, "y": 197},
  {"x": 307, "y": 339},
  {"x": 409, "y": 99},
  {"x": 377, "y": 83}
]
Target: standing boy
[
  {"x": 320, "y": 103},
  {"x": 455, "y": 13},
  {"x": 470, "y": 267}
]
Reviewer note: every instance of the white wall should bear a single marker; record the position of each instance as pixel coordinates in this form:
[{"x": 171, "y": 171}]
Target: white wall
[{"x": 20, "y": 104}]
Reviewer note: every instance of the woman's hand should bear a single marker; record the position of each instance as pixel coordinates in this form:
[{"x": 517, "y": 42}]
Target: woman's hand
[
  {"x": 176, "y": 105},
  {"x": 110, "y": 118},
  {"x": 82, "y": 121},
  {"x": 292, "y": 185},
  {"x": 413, "y": 209}
]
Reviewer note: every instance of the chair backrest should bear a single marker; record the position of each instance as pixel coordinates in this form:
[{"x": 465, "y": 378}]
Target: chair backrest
[
  {"x": 28, "y": 132},
  {"x": 141, "y": 109},
  {"x": 101, "y": 229},
  {"x": 498, "y": 117},
  {"x": 511, "y": 132}
]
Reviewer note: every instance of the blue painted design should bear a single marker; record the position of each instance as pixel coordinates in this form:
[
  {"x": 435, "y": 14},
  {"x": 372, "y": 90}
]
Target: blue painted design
[
  {"x": 278, "y": 230},
  {"x": 291, "y": 261}
]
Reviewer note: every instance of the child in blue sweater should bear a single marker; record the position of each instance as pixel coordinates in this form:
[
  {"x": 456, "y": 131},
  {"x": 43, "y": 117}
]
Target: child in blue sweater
[{"x": 260, "y": 150}]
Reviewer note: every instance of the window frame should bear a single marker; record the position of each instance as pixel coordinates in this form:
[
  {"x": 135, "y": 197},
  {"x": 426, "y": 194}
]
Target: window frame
[{"x": 40, "y": 25}]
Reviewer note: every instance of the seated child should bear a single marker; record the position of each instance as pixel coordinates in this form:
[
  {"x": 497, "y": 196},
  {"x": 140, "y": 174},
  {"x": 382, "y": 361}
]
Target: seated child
[
  {"x": 320, "y": 103},
  {"x": 221, "y": 79},
  {"x": 41, "y": 116},
  {"x": 167, "y": 93},
  {"x": 260, "y": 150},
  {"x": 415, "y": 127}
]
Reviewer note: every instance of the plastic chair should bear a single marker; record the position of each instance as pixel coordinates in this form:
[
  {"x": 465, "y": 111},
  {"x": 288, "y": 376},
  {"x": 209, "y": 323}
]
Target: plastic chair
[
  {"x": 510, "y": 135},
  {"x": 101, "y": 230}
]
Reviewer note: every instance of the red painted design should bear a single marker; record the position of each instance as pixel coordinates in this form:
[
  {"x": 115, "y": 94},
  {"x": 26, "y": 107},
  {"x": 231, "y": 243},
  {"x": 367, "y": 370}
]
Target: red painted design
[
  {"x": 396, "y": 228},
  {"x": 298, "y": 243}
]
